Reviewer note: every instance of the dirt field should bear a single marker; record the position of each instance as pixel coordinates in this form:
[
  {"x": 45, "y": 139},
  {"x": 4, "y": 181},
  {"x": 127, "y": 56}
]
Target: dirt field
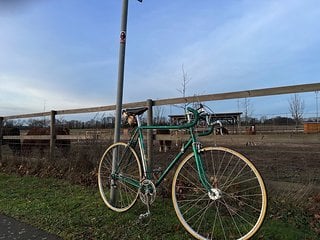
[
  {"x": 281, "y": 162},
  {"x": 290, "y": 167},
  {"x": 289, "y": 158}
]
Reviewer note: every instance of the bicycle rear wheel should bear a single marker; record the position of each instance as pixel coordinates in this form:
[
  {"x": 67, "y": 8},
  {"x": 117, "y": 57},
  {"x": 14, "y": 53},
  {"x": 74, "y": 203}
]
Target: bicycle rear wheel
[
  {"x": 119, "y": 190},
  {"x": 234, "y": 207}
]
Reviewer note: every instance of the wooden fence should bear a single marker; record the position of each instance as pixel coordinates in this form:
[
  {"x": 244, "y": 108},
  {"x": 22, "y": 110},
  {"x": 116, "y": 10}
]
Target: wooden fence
[{"x": 149, "y": 103}]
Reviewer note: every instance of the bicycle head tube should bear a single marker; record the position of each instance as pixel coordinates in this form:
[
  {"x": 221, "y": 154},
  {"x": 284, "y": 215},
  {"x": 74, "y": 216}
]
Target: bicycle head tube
[{"x": 194, "y": 121}]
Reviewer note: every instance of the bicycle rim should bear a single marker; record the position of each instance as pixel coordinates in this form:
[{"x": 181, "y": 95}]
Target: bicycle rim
[
  {"x": 116, "y": 189},
  {"x": 236, "y": 205}
]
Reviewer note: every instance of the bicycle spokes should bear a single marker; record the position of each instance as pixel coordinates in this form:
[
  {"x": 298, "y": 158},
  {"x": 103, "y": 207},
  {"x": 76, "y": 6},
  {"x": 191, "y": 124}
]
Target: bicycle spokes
[
  {"x": 235, "y": 205},
  {"x": 119, "y": 185}
]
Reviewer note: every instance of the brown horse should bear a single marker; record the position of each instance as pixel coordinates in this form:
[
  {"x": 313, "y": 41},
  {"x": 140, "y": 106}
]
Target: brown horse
[
  {"x": 14, "y": 144},
  {"x": 252, "y": 130},
  {"x": 222, "y": 131},
  {"x": 28, "y": 145},
  {"x": 165, "y": 145}
]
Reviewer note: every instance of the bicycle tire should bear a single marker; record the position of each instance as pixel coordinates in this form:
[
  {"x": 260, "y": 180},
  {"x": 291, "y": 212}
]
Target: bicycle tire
[
  {"x": 124, "y": 194},
  {"x": 236, "y": 205}
]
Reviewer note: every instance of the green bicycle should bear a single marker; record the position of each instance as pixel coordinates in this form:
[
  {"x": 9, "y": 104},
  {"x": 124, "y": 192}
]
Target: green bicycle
[{"x": 217, "y": 193}]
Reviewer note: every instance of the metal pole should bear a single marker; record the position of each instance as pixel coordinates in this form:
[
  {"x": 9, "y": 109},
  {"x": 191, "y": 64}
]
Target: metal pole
[
  {"x": 53, "y": 135},
  {"x": 123, "y": 34},
  {"x": 317, "y": 107},
  {"x": 150, "y": 134},
  {"x": 1, "y": 136},
  {"x": 122, "y": 51}
]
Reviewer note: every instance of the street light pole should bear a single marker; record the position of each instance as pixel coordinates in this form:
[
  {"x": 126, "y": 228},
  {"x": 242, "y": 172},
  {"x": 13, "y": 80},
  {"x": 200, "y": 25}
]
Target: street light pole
[{"x": 122, "y": 51}]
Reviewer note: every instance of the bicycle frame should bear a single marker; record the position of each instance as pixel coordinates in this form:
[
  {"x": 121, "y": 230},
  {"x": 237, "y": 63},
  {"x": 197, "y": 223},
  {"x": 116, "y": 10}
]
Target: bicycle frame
[
  {"x": 216, "y": 191},
  {"x": 137, "y": 136}
]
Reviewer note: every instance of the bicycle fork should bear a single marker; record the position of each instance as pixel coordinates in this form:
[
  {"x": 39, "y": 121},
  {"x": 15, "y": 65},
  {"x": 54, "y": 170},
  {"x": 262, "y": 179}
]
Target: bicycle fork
[{"x": 214, "y": 192}]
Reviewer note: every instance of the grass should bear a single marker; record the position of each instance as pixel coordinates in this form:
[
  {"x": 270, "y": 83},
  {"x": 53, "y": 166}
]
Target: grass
[{"x": 77, "y": 212}]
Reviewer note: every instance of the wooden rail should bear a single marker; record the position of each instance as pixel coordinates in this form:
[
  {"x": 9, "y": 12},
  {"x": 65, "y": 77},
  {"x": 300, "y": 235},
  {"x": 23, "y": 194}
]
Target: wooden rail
[
  {"x": 202, "y": 98},
  {"x": 150, "y": 103}
]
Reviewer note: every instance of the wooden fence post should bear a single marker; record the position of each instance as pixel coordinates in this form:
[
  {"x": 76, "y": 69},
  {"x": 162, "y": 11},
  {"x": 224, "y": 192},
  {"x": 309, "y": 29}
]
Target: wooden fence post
[
  {"x": 52, "y": 134},
  {"x": 1, "y": 136},
  {"x": 150, "y": 133}
]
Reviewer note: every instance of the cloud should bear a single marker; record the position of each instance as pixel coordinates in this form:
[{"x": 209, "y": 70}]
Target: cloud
[
  {"x": 252, "y": 49},
  {"x": 18, "y": 95}
]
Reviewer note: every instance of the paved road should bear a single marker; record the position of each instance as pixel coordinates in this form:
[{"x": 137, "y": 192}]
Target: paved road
[{"x": 11, "y": 229}]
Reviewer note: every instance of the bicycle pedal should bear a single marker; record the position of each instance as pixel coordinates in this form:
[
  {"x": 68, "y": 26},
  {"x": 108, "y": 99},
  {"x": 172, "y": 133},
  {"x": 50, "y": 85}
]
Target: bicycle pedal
[{"x": 144, "y": 215}]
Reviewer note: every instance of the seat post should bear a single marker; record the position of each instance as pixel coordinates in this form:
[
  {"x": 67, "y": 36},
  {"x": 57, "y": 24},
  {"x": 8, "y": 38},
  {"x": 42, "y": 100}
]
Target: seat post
[{"x": 138, "y": 120}]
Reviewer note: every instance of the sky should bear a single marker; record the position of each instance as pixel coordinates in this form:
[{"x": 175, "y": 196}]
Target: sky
[{"x": 63, "y": 54}]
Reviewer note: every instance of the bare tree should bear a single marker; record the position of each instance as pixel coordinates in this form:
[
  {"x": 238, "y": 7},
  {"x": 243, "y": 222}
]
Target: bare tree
[
  {"x": 158, "y": 115},
  {"x": 184, "y": 83},
  {"x": 296, "y": 108},
  {"x": 247, "y": 110}
]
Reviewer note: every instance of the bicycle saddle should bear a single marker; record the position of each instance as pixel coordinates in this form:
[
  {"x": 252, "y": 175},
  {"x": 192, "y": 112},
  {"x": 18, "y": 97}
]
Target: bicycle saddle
[{"x": 134, "y": 111}]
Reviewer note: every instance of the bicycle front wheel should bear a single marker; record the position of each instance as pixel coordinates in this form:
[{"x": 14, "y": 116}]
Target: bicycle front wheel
[
  {"x": 119, "y": 185},
  {"x": 234, "y": 207}
]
